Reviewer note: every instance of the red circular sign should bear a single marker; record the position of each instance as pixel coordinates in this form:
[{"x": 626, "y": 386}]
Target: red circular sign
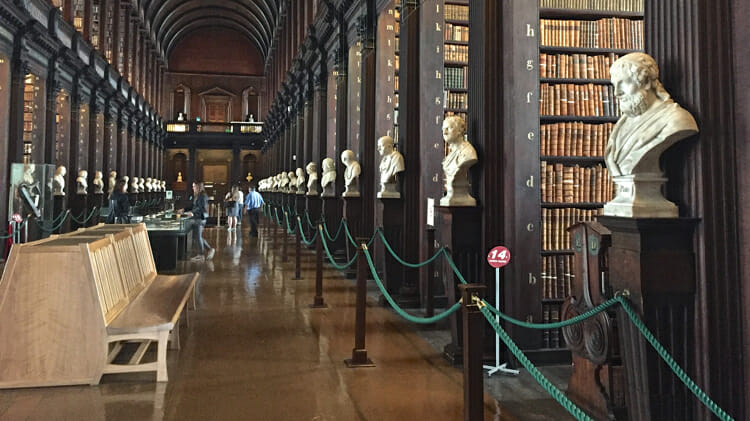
[
  {"x": 16, "y": 217},
  {"x": 498, "y": 257}
]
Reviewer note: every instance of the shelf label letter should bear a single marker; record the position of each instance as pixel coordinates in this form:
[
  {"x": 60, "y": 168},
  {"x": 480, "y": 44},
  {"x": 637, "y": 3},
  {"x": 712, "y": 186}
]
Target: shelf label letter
[
  {"x": 530, "y": 65},
  {"x": 532, "y": 279},
  {"x": 530, "y": 227},
  {"x": 531, "y": 135},
  {"x": 529, "y": 31},
  {"x": 528, "y": 97},
  {"x": 530, "y": 182}
]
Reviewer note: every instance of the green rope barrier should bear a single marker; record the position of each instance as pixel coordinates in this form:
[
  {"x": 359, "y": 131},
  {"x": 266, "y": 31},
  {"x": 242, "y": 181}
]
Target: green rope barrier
[
  {"x": 405, "y": 263},
  {"x": 302, "y": 233},
  {"x": 330, "y": 257},
  {"x": 452, "y": 264},
  {"x": 288, "y": 229},
  {"x": 307, "y": 216},
  {"x": 55, "y": 225},
  {"x": 351, "y": 239},
  {"x": 12, "y": 233},
  {"x": 581, "y": 317},
  {"x": 678, "y": 371},
  {"x": 556, "y": 393},
  {"x": 338, "y": 231},
  {"x": 87, "y": 218},
  {"x": 399, "y": 310}
]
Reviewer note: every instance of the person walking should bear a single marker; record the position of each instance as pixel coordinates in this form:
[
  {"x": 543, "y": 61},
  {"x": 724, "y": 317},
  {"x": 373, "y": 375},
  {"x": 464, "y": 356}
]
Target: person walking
[
  {"x": 253, "y": 203},
  {"x": 199, "y": 212},
  {"x": 119, "y": 205},
  {"x": 233, "y": 201}
]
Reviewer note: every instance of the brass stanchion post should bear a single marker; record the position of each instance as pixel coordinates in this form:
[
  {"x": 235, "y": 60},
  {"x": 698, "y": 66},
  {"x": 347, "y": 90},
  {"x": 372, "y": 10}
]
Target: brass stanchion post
[{"x": 359, "y": 353}]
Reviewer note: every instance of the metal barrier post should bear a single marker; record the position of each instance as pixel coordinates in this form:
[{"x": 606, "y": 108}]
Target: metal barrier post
[
  {"x": 473, "y": 324},
  {"x": 359, "y": 353},
  {"x": 284, "y": 238},
  {"x": 318, "y": 301},
  {"x": 298, "y": 250}
]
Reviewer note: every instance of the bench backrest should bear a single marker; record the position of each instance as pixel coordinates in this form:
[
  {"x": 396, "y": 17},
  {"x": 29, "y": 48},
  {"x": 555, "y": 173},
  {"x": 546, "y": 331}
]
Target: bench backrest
[
  {"x": 143, "y": 251},
  {"x": 106, "y": 268}
]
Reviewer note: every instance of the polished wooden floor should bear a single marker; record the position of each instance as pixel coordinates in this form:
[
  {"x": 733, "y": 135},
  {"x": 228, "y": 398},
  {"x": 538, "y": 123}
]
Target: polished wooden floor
[{"x": 254, "y": 350}]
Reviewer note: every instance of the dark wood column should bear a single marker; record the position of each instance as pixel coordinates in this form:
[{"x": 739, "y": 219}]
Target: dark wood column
[
  {"x": 342, "y": 109},
  {"x": 368, "y": 116},
  {"x": 121, "y": 157},
  {"x": 130, "y": 168},
  {"x": 109, "y": 144},
  {"x": 308, "y": 134},
  {"x": 53, "y": 88},
  {"x": 192, "y": 167},
  {"x": 692, "y": 43},
  {"x": 236, "y": 164},
  {"x": 320, "y": 135},
  {"x": 19, "y": 69},
  {"x": 409, "y": 134}
]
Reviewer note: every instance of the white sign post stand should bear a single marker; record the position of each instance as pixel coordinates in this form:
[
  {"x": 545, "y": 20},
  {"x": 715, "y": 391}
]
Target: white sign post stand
[{"x": 498, "y": 257}]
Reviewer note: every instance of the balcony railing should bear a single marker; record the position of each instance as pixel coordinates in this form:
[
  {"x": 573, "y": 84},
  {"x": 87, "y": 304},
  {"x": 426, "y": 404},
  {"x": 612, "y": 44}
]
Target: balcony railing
[{"x": 234, "y": 127}]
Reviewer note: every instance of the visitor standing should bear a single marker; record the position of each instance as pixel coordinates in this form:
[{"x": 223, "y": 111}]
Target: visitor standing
[
  {"x": 253, "y": 203},
  {"x": 233, "y": 201},
  {"x": 199, "y": 212}
]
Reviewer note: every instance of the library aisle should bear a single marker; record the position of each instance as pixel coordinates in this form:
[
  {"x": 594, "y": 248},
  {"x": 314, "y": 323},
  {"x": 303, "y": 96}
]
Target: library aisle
[{"x": 255, "y": 351}]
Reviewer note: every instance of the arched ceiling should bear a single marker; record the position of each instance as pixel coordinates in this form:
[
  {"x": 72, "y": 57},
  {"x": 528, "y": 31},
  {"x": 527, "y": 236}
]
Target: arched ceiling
[{"x": 170, "y": 20}]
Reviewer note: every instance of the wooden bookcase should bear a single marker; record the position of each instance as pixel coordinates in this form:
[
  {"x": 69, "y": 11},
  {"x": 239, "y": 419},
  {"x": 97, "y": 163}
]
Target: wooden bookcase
[
  {"x": 455, "y": 58},
  {"x": 578, "y": 41}
]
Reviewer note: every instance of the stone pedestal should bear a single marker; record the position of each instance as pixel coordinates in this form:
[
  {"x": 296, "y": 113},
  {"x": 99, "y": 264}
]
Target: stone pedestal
[
  {"x": 58, "y": 207},
  {"x": 460, "y": 231},
  {"x": 639, "y": 196},
  {"x": 78, "y": 209},
  {"x": 313, "y": 207},
  {"x": 654, "y": 260},
  {"x": 404, "y": 290},
  {"x": 352, "y": 212},
  {"x": 331, "y": 211}
]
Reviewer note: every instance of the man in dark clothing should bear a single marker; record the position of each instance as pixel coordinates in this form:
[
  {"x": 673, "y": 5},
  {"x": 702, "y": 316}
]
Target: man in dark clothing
[
  {"x": 119, "y": 205},
  {"x": 253, "y": 203}
]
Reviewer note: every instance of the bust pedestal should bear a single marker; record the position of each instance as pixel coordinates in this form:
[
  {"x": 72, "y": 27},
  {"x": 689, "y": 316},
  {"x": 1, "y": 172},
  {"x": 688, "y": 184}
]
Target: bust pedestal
[
  {"x": 654, "y": 259},
  {"x": 331, "y": 213},
  {"x": 403, "y": 289},
  {"x": 639, "y": 196},
  {"x": 352, "y": 210},
  {"x": 460, "y": 231},
  {"x": 133, "y": 198},
  {"x": 78, "y": 209},
  {"x": 58, "y": 207},
  {"x": 96, "y": 200},
  {"x": 312, "y": 205}
]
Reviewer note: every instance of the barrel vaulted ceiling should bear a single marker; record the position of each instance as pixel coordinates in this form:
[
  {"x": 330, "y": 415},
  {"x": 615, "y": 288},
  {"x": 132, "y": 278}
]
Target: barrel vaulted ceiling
[{"x": 170, "y": 20}]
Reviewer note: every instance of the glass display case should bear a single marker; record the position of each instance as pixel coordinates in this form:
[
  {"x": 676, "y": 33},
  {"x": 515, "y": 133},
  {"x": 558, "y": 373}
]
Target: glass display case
[
  {"x": 31, "y": 191},
  {"x": 167, "y": 221}
]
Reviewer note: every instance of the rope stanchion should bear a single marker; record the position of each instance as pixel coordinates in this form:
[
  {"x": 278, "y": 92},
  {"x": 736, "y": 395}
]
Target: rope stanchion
[
  {"x": 338, "y": 231},
  {"x": 399, "y": 310},
  {"x": 359, "y": 352},
  {"x": 304, "y": 238},
  {"x": 55, "y": 225},
  {"x": 285, "y": 239},
  {"x": 318, "y": 301},
  {"x": 298, "y": 252},
  {"x": 556, "y": 325},
  {"x": 678, "y": 371},
  {"x": 403, "y": 262},
  {"x": 307, "y": 216},
  {"x": 87, "y": 219}
]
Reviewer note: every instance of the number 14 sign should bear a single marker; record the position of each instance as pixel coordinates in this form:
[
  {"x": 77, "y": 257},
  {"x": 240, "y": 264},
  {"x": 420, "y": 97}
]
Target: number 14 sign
[{"x": 498, "y": 257}]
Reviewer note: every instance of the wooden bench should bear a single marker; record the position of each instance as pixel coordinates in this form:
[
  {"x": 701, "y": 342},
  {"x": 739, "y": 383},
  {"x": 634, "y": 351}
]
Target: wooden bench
[{"x": 68, "y": 304}]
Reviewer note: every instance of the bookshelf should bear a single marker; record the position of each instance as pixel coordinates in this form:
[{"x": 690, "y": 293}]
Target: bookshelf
[
  {"x": 30, "y": 116},
  {"x": 396, "y": 61},
  {"x": 455, "y": 58},
  {"x": 578, "y": 42},
  {"x": 95, "y": 23}
]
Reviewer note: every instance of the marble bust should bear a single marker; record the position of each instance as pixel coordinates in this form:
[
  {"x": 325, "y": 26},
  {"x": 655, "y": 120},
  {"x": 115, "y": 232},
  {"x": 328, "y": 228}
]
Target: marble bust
[
  {"x": 328, "y": 179},
  {"x": 98, "y": 182},
  {"x": 300, "y": 181},
  {"x": 81, "y": 182},
  {"x": 58, "y": 181},
  {"x": 284, "y": 182},
  {"x": 351, "y": 174},
  {"x": 292, "y": 182},
  {"x": 149, "y": 187},
  {"x": 461, "y": 156},
  {"x": 111, "y": 182},
  {"x": 134, "y": 185},
  {"x": 312, "y": 181},
  {"x": 391, "y": 163},
  {"x": 163, "y": 185},
  {"x": 141, "y": 185},
  {"x": 651, "y": 122}
]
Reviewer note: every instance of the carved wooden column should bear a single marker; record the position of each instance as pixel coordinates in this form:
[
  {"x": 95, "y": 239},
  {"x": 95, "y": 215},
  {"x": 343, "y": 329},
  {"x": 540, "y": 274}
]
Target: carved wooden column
[
  {"x": 368, "y": 113},
  {"x": 236, "y": 164},
  {"x": 53, "y": 89},
  {"x": 109, "y": 144}
]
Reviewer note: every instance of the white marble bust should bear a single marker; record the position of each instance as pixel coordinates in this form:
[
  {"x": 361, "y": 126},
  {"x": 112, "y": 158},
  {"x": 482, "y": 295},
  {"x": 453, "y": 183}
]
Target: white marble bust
[
  {"x": 111, "y": 182},
  {"x": 391, "y": 163},
  {"x": 312, "y": 180},
  {"x": 134, "y": 185},
  {"x": 284, "y": 183},
  {"x": 98, "y": 182},
  {"x": 148, "y": 185},
  {"x": 81, "y": 182},
  {"x": 328, "y": 179},
  {"x": 651, "y": 122},
  {"x": 461, "y": 156},
  {"x": 58, "y": 181},
  {"x": 351, "y": 174},
  {"x": 163, "y": 185},
  {"x": 292, "y": 182},
  {"x": 141, "y": 185},
  {"x": 300, "y": 173}
]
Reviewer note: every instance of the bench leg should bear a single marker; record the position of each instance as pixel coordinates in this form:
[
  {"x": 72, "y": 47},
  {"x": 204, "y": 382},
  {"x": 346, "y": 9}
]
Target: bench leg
[
  {"x": 174, "y": 336},
  {"x": 161, "y": 357}
]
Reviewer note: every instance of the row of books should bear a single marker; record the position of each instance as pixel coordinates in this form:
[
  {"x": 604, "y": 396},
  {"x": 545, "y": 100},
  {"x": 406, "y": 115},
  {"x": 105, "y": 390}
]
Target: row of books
[
  {"x": 395, "y": 82},
  {"x": 458, "y": 53},
  {"x": 557, "y": 276},
  {"x": 602, "y": 33},
  {"x": 453, "y": 32},
  {"x": 575, "y": 66},
  {"x": 455, "y": 100},
  {"x": 608, "y": 5},
  {"x": 462, "y": 115},
  {"x": 574, "y": 139},
  {"x": 587, "y": 100},
  {"x": 576, "y": 184},
  {"x": 456, "y": 12},
  {"x": 455, "y": 77},
  {"x": 555, "y": 223},
  {"x": 396, "y": 62},
  {"x": 551, "y": 337}
]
